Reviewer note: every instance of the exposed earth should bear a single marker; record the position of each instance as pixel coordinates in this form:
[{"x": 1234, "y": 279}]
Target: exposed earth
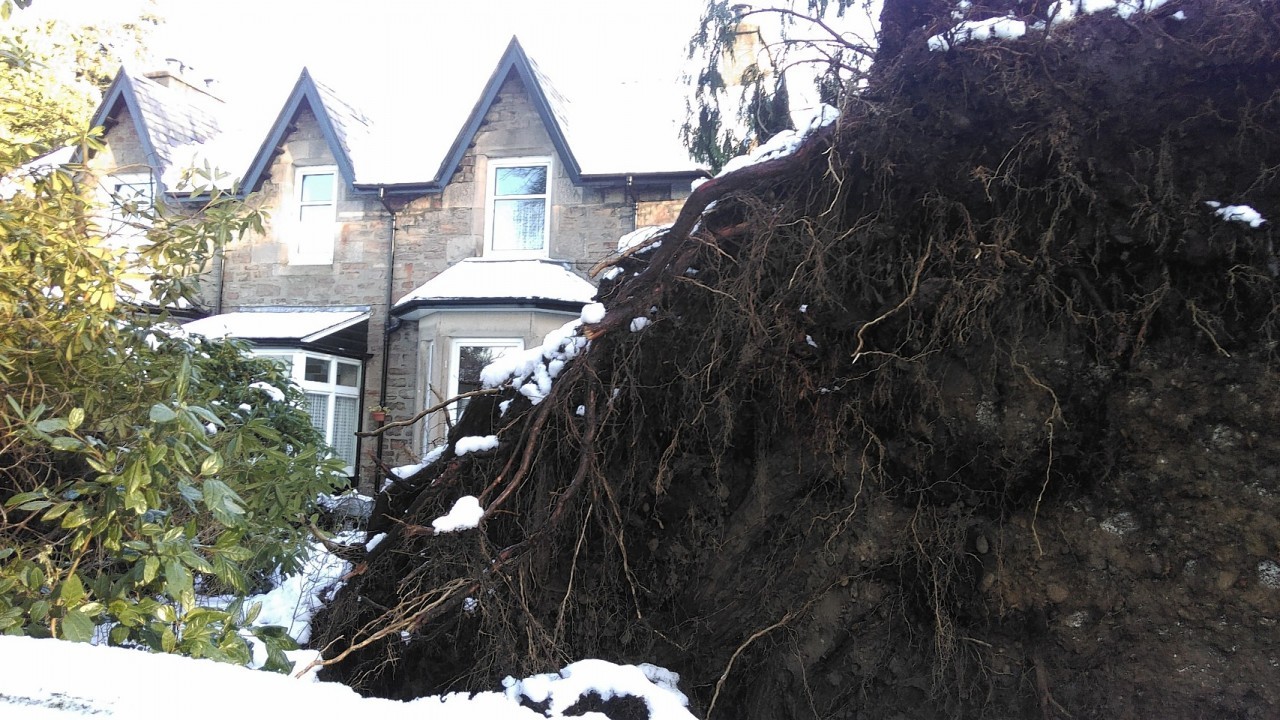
[{"x": 967, "y": 408}]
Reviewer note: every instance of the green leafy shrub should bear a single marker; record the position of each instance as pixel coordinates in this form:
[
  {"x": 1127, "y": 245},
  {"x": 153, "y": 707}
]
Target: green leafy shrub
[{"x": 139, "y": 468}]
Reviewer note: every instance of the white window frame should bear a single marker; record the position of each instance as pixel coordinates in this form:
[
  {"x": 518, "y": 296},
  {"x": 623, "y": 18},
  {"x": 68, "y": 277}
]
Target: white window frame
[
  {"x": 330, "y": 389},
  {"x": 455, "y": 356},
  {"x": 491, "y": 191},
  {"x": 127, "y": 229},
  {"x": 308, "y": 247}
]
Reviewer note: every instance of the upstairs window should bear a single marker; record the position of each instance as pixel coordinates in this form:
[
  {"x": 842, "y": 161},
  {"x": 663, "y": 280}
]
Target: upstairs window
[
  {"x": 129, "y": 200},
  {"x": 518, "y": 207},
  {"x": 316, "y": 215}
]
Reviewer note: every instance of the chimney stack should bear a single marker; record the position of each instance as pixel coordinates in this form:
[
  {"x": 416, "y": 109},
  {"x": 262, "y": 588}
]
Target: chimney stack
[{"x": 181, "y": 77}]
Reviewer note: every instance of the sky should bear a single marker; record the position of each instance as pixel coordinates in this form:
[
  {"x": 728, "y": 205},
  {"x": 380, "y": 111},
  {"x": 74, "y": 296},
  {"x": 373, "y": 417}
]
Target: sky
[
  {"x": 387, "y": 48},
  {"x": 397, "y": 54}
]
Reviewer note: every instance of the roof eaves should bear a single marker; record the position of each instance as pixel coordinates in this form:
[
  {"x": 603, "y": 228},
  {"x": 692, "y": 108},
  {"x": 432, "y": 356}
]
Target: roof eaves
[
  {"x": 419, "y": 306},
  {"x": 304, "y": 90},
  {"x": 641, "y": 178},
  {"x": 514, "y": 58}
]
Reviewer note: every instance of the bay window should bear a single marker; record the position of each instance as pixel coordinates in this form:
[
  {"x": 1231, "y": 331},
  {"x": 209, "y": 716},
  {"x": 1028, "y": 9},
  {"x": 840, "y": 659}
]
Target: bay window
[{"x": 469, "y": 357}]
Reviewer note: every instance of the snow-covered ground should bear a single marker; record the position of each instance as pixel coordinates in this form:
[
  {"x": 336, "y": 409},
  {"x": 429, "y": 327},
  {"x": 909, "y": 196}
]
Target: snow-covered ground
[
  {"x": 58, "y": 680},
  {"x": 54, "y": 679}
]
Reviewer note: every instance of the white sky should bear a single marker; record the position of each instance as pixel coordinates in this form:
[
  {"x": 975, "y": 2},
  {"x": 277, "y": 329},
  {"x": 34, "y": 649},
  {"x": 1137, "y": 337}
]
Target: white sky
[
  {"x": 380, "y": 47},
  {"x": 401, "y": 60}
]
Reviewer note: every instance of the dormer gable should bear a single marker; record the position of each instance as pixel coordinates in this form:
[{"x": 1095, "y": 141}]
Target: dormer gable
[
  {"x": 160, "y": 118},
  {"x": 545, "y": 100},
  {"x": 340, "y": 124}
]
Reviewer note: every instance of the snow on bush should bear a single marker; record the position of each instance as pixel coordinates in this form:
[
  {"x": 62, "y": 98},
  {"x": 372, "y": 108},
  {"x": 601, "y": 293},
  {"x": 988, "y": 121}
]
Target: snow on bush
[
  {"x": 475, "y": 443},
  {"x": 273, "y": 392}
]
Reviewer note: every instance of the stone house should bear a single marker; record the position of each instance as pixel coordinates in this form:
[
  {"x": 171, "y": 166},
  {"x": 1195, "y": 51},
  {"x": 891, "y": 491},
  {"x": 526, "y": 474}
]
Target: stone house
[{"x": 390, "y": 272}]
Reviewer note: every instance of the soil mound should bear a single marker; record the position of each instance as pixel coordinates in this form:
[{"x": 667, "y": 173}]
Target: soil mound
[{"x": 967, "y": 408}]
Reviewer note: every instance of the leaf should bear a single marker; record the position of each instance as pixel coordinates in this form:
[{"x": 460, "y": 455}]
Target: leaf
[
  {"x": 166, "y": 613},
  {"x": 75, "y": 518},
  {"x": 177, "y": 579},
  {"x": 211, "y": 465},
  {"x": 77, "y": 627},
  {"x": 66, "y": 443},
  {"x": 223, "y": 502},
  {"x": 72, "y": 591},
  {"x": 75, "y": 418},
  {"x": 150, "y": 566},
  {"x": 51, "y": 425},
  {"x": 161, "y": 413}
]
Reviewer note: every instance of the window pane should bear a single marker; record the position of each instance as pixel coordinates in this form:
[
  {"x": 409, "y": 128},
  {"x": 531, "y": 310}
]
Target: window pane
[
  {"x": 284, "y": 361},
  {"x": 317, "y": 188},
  {"x": 519, "y": 224},
  {"x": 348, "y": 374},
  {"x": 318, "y": 409},
  {"x": 344, "y": 428},
  {"x": 471, "y": 360},
  {"x": 315, "y": 215},
  {"x": 134, "y": 196},
  {"x": 317, "y": 370},
  {"x": 521, "y": 180}
]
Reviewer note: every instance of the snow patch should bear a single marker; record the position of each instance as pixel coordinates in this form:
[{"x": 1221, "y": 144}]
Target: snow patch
[
  {"x": 641, "y": 236},
  {"x": 475, "y": 443},
  {"x": 466, "y": 514},
  {"x": 1011, "y": 28},
  {"x": 639, "y": 323},
  {"x": 1237, "y": 213},
  {"x": 1120, "y": 524},
  {"x": 273, "y": 392},
  {"x": 657, "y": 687},
  {"x": 785, "y": 142},
  {"x": 997, "y": 28},
  {"x": 592, "y": 313},
  {"x": 292, "y": 603},
  {"x": 59, "y": 680},
  {"x": 1269, "y": 574},
  {"x": 533, "y": 370}
]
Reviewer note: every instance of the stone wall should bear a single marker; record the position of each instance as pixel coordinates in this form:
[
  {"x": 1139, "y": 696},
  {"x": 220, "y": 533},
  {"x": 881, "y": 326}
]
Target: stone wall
[{"x": 123, "y": 153}]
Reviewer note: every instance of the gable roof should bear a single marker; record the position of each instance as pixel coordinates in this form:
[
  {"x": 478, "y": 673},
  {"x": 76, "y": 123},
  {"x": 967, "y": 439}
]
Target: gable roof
[
  {"x": 412, "y": 152},
  {"x": 343, "y": 128},
  {"x": 163, "y": 119},
  {"x": 515, "y": 60}
]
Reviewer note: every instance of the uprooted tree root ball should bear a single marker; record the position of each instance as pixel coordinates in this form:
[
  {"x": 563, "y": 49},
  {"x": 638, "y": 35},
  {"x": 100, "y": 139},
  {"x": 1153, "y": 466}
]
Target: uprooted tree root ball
[{"x": 967, "y": 408}]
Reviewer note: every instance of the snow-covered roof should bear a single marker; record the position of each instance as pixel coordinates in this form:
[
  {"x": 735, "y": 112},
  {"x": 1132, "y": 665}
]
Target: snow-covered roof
[
  {"x": 483, "y": 282},
  {"x": 389, "y": 143},
  {"x": 297, "y": 324}
]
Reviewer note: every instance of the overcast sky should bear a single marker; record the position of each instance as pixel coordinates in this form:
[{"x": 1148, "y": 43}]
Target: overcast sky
[
  {"x": 399, "y": 58},
  {"x": 383, "y": 46}
]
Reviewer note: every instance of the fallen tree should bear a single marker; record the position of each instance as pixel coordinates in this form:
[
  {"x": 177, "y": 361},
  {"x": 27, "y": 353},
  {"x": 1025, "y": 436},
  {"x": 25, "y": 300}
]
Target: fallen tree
[{"x": 965, "y": 408}]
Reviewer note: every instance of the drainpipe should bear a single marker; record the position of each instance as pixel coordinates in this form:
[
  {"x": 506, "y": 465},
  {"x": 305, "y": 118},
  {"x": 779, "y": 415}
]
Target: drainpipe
[
  {"x": 220, "y": 259},
  {"x": 635, "y": 202},
  {"x": 387, "y": 325}
]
